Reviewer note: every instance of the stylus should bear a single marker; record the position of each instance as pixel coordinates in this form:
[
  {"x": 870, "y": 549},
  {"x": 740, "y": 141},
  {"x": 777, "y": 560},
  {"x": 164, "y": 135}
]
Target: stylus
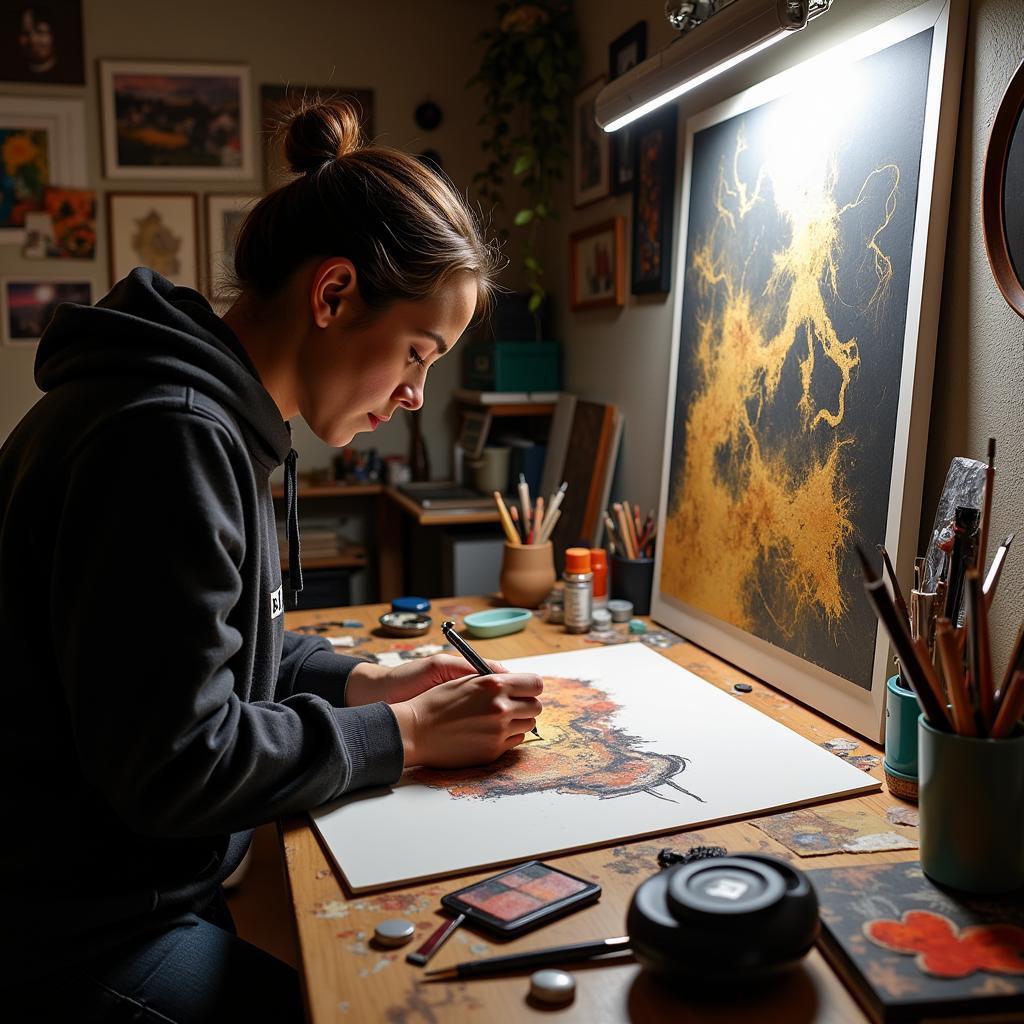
[{"x": 538, "y": 958}]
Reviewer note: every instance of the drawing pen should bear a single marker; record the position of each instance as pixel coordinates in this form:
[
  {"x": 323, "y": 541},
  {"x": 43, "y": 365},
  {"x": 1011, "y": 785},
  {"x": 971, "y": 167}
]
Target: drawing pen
[
  {"x": 437, "y": 939},
  {"x": 538, "y": 958},
  {"x": 476, "y": 662}
]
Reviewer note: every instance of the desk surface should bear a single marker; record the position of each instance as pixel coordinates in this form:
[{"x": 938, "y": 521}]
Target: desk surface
[{"x": 346, "y": 978}]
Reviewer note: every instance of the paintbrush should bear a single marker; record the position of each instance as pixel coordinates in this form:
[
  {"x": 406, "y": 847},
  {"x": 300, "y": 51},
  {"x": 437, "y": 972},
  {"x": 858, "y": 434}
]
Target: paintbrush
[
  {"x": 896, "y": 592},
  {"x": 918, "y": 671},
  {"x": 996, "y": 570},
  {"x": 979, "y": 653},
  {"x": 956, "y": 684}
]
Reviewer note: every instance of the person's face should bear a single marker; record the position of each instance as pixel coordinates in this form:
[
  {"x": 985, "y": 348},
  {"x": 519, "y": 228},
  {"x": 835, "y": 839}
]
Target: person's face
[
  {"x": 356, "y": 371},
  {"x": 35, "y": 37}
]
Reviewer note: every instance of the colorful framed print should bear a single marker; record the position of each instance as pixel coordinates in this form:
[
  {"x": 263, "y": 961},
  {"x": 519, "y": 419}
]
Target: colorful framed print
[
  {"x": 41, "y": 42},
  {"x": 72, "y": 213},
  {"x": 654, "y": 189},
  {"x": 177, "y": 120},
  {"x": 624, "y": 53},
  {"x": 597, "y": 265},
  {"x": 42, "y": 143},
  {"x": 811, "y": 250},
  {"x": 158, "y": 230},
  {"x": 224, "y": 217},
  {"x": 278, "y": 101},
  {"x": 27, "y": 304},
  {"x": 591, "y": 177}
]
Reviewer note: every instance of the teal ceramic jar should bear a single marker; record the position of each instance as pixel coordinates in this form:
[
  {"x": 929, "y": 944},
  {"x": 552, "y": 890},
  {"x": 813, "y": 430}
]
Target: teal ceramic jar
[
  {"x": 900, "y": 765},
  {"x": 971, "y": 827}
]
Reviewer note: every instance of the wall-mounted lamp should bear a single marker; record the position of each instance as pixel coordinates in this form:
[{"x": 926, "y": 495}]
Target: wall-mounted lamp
[{"x": 716, "y": 35}]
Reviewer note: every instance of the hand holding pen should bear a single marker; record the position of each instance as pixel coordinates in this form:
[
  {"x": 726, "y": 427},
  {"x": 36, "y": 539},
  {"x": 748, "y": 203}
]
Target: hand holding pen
[{"x": 476, "y": 662}]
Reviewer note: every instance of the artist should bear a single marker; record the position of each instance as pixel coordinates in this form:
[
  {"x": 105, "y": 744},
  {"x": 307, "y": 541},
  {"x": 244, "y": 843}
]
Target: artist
[{"x": 156, "y": 710}]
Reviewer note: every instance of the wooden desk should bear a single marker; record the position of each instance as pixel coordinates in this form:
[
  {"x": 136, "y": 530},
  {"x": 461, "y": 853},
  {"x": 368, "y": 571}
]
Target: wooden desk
[{"x": 346, "y": 979}]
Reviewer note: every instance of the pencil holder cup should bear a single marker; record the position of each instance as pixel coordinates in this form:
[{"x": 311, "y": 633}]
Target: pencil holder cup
[
  {"x": 971, "y": 824},
  {"x": 901, "y": 714},
  {"x": 632, "y": 579},
  {"x": 527, "y": 573}
]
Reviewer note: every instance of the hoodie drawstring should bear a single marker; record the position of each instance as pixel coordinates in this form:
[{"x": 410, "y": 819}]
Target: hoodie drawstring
[{"x": 291, "y": 525}]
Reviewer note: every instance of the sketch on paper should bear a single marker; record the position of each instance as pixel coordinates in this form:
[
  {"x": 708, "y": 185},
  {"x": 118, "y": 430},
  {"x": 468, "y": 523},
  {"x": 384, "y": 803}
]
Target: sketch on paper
[
  {"x": 622, "y": 729},
  {"x": 582, "y": 751}
]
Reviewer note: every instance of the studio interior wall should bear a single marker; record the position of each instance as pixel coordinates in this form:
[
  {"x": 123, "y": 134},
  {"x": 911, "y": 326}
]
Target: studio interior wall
[
  {"x": 622, "y": 355},
  {"x": 406, "y": 51}
]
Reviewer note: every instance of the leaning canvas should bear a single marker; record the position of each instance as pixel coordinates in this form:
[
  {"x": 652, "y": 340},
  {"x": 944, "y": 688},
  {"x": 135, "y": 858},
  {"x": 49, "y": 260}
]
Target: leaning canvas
[
  {"x": 812, "y": 242},
  {"x": 631, "y": 745}
]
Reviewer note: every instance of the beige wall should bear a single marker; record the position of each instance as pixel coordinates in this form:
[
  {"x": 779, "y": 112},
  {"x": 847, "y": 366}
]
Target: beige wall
[
  {"x": 623, "y": 356},
  {"x": 405, "y": 50}
]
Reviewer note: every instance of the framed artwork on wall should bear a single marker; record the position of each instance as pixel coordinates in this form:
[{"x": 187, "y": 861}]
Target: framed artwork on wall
[
  {"x": 278, "y": 101},
  {"x": 812, "y": 237},
  {"x": 41, "y": 42},
  {"x": 625, "y": 52},
  {"x": 42, "y": 143},
  {"x": 597, "y": 265},
  {"x": 224, "y": 216},
  {"x": 654, "y": 190},
  {"x": 591, "y": 175},
  {"x": 158, "y": 230},
  {"x": 27, "y": 304},
  {"x": 176, "y": 120}
]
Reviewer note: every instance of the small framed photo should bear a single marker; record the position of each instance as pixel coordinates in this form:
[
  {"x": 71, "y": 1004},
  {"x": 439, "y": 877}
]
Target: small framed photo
[
  {"x": 654, "y": 187},
  {"x": 177, "y": 120},
  {"x": 597, "y": 265},
  {"x": 28, "y": 304},
  {"x": 41, "y": 42},
  {"x": 624, "y": 53},
  {"x": 158, "y": 230},
  {"x": 591, "y": 176},
  {"x": 42, "y": 143},
  {"x": 224, "y": 217},
  {"x": 276, "y": 104}
]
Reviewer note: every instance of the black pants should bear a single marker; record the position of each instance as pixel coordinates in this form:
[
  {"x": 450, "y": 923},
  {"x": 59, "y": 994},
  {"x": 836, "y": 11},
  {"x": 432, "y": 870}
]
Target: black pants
[{"x": 195, "y": 970}]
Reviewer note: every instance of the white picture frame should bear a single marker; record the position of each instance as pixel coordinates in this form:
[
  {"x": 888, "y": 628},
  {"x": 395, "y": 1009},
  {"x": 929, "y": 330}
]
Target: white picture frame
[
  {"x": 591, "y": 149},
  {"x": 13, "y": 289},
  {"x": 159, "y": 230},
  {"x": 224, "y": 214},
  {"x": 683, "y": 595},
  {"x": 63, "y": 122},
  {"x": 213, "y": 142}
]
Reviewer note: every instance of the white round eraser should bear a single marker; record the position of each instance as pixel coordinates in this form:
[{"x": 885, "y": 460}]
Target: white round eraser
[
  {"x": 395, "y": 932},
  {"x": 552, "y": 986}
]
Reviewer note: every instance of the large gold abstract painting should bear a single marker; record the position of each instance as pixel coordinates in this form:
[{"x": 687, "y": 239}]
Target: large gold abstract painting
[{"x": 801, "y": 242}]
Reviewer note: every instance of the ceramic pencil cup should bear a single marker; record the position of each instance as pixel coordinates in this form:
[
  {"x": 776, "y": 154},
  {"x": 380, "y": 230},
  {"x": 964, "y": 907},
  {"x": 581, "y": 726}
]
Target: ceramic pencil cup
[
  {"x": 632, "y": 579},
  {"x": 971, "y": 825},
  {"x": 527, "y": 573},
  {"x": 900, "y": 766}
]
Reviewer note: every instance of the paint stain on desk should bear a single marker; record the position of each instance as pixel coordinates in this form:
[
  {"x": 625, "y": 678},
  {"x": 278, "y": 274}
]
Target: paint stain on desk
[
  {"x": 406, "y": 903},
  {"x": 432, "y": 1002}
]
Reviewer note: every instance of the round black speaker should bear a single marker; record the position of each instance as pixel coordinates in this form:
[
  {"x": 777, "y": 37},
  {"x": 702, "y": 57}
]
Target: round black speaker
[{"x": 722, "y": 918}]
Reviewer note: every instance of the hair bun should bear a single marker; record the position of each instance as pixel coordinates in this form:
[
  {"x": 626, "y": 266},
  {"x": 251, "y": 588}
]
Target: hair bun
[{"x": 321, "y": 131}]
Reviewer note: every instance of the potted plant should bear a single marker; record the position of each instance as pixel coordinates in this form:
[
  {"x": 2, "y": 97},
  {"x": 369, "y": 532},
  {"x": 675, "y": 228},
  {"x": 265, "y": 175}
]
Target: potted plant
[{"x": 529, "y": 72}]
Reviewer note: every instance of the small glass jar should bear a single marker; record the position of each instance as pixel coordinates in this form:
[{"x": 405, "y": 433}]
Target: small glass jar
[{"x": 578, "y": 590}]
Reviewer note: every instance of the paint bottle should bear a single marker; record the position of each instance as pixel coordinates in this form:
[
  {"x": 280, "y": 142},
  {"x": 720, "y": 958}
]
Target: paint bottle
[
  {"x": 599, "y": 567},
  {"x": 578, "y": 590}
]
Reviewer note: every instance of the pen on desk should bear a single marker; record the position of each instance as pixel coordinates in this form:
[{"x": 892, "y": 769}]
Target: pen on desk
[
  {"x": 538, "y": 958},
  {"x": 474, "y": 659}
]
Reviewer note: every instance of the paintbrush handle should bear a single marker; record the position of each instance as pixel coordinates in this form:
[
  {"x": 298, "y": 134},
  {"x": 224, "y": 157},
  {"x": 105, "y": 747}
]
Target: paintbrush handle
[{"x": 541, "y": 957}]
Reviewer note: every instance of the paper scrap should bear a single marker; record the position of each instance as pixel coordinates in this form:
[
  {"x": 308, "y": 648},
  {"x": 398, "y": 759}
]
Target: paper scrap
[
  {"x": 902, "y": 816},
  {"x": 813, "y": 833},
  {"x": 341, "y": 641}
]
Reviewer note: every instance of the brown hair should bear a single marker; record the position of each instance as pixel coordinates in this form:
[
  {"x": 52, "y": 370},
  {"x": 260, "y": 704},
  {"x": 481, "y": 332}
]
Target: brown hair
[{"x": 402, "y": 224}]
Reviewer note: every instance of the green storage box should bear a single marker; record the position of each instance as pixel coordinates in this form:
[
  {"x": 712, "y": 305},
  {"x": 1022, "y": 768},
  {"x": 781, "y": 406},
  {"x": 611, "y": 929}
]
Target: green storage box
[{"x": 513, "y": 365}]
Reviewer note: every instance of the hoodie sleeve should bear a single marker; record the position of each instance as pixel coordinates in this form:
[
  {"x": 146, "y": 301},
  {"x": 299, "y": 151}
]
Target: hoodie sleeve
[
  {"x": 150, "y": 543},
  {"x": 309, "y": 665}
]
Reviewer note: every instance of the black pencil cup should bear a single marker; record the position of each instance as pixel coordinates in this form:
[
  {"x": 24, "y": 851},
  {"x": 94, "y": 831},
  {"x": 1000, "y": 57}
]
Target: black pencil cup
[{"x": 632, "y": 579}]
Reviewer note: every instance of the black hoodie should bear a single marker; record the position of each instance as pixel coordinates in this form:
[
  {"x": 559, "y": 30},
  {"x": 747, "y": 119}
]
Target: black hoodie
[{"x": 155, "y": 710}]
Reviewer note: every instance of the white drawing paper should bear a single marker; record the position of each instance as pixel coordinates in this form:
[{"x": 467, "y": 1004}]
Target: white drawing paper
[{"x": 632, "y": 745}]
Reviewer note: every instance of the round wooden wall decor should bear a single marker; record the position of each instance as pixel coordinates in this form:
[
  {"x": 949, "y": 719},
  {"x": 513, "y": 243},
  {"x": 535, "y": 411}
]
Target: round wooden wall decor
[{"x": 1002, "y": 194}]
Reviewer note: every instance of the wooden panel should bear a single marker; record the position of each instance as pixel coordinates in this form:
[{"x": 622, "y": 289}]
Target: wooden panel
[{"x": 346, "y": 978}]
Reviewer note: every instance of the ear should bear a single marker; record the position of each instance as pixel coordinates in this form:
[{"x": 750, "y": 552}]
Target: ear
[{"x": 334, "y": 290}]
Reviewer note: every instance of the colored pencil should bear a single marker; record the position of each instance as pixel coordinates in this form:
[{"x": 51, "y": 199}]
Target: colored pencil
[
  {"x": 620, "y": 517},
  {"x": 956, "y": 684},
  {"x": 524, "y": 502},
  {"x": 1011, "y": 708},
  {"x": 506, "y": 520},
  {"x": 549, "y": 526},
  {"x": 896, "y": 592},
  {"x": 979, "y": 653}
]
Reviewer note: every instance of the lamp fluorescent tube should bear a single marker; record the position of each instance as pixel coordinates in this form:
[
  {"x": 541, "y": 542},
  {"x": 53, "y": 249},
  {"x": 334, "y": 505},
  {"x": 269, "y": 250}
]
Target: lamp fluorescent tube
[{"x": 726, "y": 39}]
